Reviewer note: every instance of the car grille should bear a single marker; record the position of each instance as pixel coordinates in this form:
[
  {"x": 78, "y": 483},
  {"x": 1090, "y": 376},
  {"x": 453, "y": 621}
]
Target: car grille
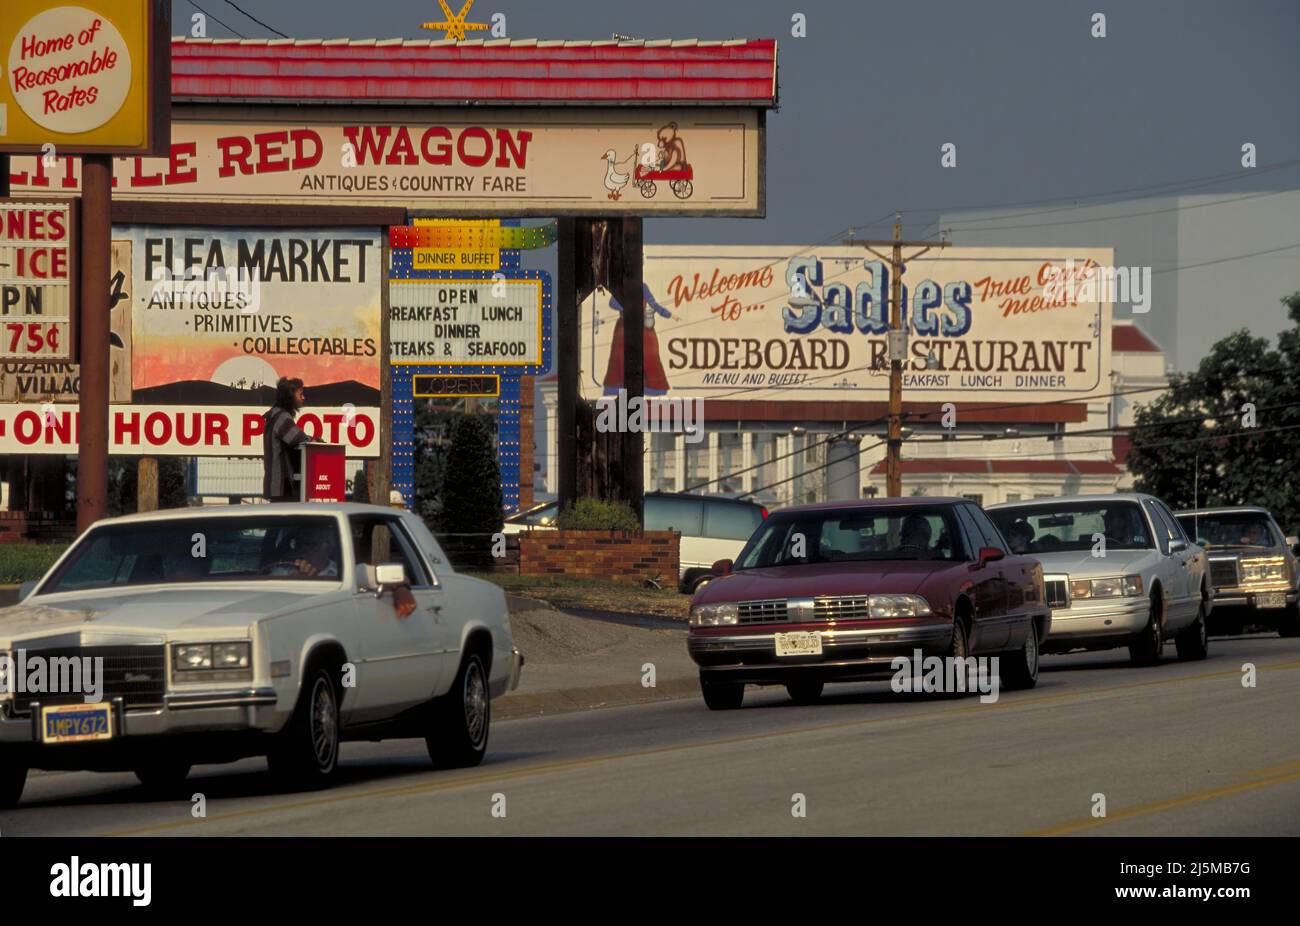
[
  {"x": 777, "y": 610},
  {"x": 136, "y": 674},
  {"x": 1057, "y": 590},
  {"x": 1223, "y": 573},
  {"x": 841, "y": 609},
  {"x": 768, "y": 611}
]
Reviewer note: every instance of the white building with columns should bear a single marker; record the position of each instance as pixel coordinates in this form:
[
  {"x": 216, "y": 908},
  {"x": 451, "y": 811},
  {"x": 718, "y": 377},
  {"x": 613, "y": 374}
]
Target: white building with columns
[{"x": 784, "y": 453}]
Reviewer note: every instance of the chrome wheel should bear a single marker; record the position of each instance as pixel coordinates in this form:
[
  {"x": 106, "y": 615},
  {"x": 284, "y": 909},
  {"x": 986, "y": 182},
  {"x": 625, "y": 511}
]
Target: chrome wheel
[
  {"x": 1031, "y": 652},
  {"x": 324, "y": 723},
  {"x": 475, "y": 699}
]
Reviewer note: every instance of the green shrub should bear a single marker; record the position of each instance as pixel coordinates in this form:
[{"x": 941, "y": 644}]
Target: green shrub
[
  {"x": 26, "y": 562},
  {"x": 470, "y": 492},
  {"x": 596, "y": 514}
]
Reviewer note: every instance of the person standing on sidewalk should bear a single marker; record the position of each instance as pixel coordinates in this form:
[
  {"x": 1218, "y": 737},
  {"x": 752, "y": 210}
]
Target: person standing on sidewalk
[{"x": 281, "y": 438}]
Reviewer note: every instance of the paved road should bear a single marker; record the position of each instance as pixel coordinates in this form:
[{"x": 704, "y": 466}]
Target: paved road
[{"x": 1181, "y": 749}]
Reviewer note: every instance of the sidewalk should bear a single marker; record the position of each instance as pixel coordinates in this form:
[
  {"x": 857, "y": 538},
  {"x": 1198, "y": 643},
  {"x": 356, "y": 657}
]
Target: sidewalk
[
  {"x": 578, "y": 662},
  {"x": 575, "y": 662}
]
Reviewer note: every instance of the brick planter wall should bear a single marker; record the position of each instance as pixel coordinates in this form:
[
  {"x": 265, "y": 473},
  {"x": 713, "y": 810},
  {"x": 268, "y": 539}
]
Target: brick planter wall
[
  {"x": 623, "y": 556},
  {"x": 35, "y": 527}
]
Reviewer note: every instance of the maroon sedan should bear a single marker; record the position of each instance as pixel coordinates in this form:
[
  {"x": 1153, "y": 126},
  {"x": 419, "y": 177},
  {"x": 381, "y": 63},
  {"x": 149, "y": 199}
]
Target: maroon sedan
[{"x": 836, "y": 591}]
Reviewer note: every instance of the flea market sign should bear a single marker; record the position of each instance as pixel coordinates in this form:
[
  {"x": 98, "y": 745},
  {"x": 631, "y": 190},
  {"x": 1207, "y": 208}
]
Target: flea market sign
[
  {"x": 86, "y": 77},
  {"x": 486, "y": 163}
]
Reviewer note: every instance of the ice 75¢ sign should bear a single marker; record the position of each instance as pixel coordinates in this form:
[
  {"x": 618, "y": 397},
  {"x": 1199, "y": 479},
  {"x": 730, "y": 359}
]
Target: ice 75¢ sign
[{"x": 36, "y": 281}]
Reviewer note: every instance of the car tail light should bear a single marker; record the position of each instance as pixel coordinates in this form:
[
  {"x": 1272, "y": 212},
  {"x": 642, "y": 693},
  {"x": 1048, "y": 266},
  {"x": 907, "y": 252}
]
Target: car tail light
[{"x": 763, "y": 511}]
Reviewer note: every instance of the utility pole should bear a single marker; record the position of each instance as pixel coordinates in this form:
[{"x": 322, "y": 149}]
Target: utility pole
[{"x": 897, "y": 345}]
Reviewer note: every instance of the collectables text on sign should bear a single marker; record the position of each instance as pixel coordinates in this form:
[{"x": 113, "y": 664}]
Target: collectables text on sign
[
  {"x": 36, "y": 267},
  {"x": 488, "y": 322}
]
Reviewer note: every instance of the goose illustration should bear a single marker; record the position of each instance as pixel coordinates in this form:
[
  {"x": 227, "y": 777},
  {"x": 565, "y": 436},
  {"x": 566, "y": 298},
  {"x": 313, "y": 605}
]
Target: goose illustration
[{"x": 615, "y": 181}]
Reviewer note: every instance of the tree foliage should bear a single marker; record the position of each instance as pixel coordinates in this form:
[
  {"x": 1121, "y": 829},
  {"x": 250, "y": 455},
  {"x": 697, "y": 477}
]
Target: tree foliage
[
  {"x": 1225, "y": 433},
  {"x": 458, "y": 482}
]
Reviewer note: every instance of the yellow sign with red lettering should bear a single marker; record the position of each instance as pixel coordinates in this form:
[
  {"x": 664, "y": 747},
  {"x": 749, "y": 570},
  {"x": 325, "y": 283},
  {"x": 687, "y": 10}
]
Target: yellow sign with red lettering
[{"x": 85, "y": 77}]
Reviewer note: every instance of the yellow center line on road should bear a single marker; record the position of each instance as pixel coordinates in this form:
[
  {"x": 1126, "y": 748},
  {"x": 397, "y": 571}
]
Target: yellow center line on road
[
  {"x": 478, "y": 779},
  {"x": 1176, "y": 803}
]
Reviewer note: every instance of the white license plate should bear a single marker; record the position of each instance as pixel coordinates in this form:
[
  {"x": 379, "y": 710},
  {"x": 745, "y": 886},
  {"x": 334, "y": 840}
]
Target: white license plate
[
  {"x": 1271, "y": 600},
  {"x": 798, "y": 644},
  {"x": 77, "y": 723}
]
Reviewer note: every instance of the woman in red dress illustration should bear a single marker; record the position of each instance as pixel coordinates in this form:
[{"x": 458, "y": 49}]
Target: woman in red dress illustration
[{"x": 656, "y": 381}]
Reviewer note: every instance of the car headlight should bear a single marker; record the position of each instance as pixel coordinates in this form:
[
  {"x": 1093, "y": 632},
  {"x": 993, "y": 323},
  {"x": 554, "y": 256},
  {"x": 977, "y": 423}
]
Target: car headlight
[
  {"x": 1109, "y": 587},
  {"x": 1263, "y": 569},
  {"x": 715, "y": 615},
  {"x": 220, "y": 660},
  {"x": 897, "y": 606}
]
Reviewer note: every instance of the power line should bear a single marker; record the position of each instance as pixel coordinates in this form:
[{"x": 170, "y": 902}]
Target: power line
[
  {"x": 1129, "y": 215},
  {"x": 601, "y": 344},
  {"x": 256, "y": 20},
  {"x": 1224, "y": 260},
  {"x": 1195, "y": 440},
  {"x": 1098, "y": 432},
  {"x": 1168, "y": 186},
  {"x": 215, "y": 20}
]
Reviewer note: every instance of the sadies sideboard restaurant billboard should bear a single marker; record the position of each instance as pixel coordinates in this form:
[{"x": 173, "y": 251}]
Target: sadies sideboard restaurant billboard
[
  {"x": 204, "y": 322},
  {"x": 787, "y": 323}
]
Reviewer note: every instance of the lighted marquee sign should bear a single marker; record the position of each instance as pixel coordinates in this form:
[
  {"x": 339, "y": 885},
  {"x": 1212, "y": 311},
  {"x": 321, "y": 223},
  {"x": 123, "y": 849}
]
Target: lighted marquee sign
[
  {"x": 87, "y": 76},
  {"x": 455, "y": 386},
  {"x": 37, "y": 281},
  {"x": 465, "y": 322}
]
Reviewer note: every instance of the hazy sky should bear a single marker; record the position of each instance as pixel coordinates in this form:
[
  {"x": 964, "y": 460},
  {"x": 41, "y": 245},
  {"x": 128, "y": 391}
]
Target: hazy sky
[{"x": 1037, "y": 107}]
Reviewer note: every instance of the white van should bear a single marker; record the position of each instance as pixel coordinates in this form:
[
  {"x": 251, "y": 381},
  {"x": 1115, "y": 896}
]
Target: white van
[{"x": 712, "y": 527}]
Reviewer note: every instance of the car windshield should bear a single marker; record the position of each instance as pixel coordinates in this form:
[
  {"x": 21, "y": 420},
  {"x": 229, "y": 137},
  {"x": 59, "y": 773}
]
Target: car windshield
[
  {"x": 1073, "y": 527},
  {"x": 1230, "y": 529},
  {"x": 838, "y": 535},
  {"x": 201, "y": 550}
]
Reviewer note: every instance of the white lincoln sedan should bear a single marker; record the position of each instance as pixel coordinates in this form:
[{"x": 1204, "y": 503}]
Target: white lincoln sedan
[
  {"x": 159, "y": 641},
  {"x": 1118, "y": 571}
]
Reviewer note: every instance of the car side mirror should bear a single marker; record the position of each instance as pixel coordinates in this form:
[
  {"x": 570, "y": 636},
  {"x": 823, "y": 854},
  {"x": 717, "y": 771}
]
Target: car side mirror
[
  {"x": 722, "y": 567},
  {"x": 379, "y": 579},
  {"x": 989, "y": 555},
  {"x": 1177, "y": 546},
  {"x": 26, "y": 589}
]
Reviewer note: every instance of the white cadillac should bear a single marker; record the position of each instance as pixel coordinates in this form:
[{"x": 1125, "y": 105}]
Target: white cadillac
[{"x": 159, "y": 641}]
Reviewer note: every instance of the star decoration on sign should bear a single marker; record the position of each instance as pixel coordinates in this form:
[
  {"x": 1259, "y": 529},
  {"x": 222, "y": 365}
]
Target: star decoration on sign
[{"x": 455, "y": 26}]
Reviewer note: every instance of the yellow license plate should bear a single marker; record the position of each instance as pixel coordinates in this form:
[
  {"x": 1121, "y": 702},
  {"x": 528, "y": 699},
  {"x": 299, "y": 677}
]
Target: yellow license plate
[
  {"x": 77, "y": 723},
  {"x": 798, "y": 644}
]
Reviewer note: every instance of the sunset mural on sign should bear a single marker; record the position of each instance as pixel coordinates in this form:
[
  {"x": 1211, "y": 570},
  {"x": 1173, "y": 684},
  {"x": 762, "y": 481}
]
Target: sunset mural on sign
[{"x": 220, "y": 315}]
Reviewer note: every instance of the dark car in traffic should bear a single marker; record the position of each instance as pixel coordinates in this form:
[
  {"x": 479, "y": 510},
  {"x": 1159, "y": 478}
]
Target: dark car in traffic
[
  {"x": 834, "y": 592},
  {"x": 1252, "y": 567}
]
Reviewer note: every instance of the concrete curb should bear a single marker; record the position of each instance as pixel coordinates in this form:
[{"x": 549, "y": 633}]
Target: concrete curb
[
  {"x": 572, "y": 700},
  {"x": 518, "y": 603}
]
